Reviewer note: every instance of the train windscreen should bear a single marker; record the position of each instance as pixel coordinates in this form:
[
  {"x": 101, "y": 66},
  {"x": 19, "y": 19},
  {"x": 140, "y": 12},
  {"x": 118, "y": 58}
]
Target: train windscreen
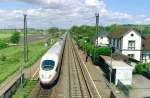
[{"x": 48, "y": 65}]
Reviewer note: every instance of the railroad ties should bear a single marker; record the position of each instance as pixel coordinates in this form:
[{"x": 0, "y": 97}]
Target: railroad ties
[
  {"x": 40, "y": 92},
  {"x": 44, "y": 93},
  {"x": 77, "y": 83},
  {"x": 80, "y": 83}
]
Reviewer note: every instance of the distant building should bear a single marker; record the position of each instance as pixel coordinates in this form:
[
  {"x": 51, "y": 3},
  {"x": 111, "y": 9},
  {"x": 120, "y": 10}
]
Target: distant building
[
  {"x": 131, "y": 43},
  {"x": 103, "y": 39}
]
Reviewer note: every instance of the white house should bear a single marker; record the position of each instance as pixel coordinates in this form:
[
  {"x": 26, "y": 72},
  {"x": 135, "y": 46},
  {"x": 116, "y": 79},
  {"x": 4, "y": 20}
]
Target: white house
[
  {"x": 103, "y": 39},
  {"x": 131, "y": 43}
]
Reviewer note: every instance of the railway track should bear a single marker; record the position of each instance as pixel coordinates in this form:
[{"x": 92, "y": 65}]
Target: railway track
[
  {"x": 44, "y": 93},
  {"x": 76, "y": 80},
  {"x": 80, "y": 84},
  {"x": 40, "y": 92}
]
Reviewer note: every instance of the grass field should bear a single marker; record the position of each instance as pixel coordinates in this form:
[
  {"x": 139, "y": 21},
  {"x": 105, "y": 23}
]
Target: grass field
[
  {"x": 25, "y": 92},
  {"x": 8, "y": 33},
  {"x": 3, "y": 35},
  {"x": 12, "y": 57}
]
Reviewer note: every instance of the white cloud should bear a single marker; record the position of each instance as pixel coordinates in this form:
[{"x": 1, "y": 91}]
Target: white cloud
[
  {"x": 120, "y": 16},
  {"x": 92, "y": 2},
  {"x": 65, "y": 13}
]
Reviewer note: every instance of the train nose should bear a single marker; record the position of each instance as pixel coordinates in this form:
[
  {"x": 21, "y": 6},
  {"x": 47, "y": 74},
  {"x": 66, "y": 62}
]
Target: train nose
[{"x": 46, "y": 76}]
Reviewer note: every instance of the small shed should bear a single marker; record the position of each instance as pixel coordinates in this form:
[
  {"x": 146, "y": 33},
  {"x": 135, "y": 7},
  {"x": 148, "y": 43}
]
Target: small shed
[{"x": 122, "y": 71}]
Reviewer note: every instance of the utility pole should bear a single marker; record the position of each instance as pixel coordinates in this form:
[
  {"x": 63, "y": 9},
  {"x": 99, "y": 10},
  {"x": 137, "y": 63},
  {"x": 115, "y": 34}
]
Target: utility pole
[
  {"x": 97, "y": 24},
  {"x": 25, "y": 40}
]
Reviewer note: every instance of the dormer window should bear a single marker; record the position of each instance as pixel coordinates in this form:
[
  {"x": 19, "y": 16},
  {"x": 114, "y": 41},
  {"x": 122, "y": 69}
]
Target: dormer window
[{"x": 132, "y": 35}]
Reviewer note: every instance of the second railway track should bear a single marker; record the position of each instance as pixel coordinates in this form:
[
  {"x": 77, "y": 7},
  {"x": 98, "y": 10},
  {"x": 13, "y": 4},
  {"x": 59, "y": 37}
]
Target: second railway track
[
  {"x": 80, "y": 84},
  {"x": 77, "y": 85}
]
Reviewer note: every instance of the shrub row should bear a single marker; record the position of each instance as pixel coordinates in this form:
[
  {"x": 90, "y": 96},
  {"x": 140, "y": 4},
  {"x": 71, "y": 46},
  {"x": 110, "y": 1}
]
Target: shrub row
[
  {"x": 13, "y": 39},
  {"x": 141, "y": 68},
  {"x": 91, "y": 50}
]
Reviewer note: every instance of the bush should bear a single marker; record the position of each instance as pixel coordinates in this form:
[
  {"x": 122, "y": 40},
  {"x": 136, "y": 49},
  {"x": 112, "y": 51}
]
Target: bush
[
  {"x": 15, "y": 38},
  {"x": 2, "y": 44},
  {"x": 90, "y": 49},
  {"x": 140, "y": 68},
  {"x": 3, "y": 57},
  {"x": 101, "y": 51},
  {"x": 24, "y": 92},
  {"x": 81, "y": 43}
]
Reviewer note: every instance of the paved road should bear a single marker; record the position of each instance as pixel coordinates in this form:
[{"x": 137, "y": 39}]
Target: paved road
[{"x": 141, "y": 87}]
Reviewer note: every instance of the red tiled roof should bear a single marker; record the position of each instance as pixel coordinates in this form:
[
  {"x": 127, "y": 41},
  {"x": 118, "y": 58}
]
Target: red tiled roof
[{"x": 119, "y": 33}]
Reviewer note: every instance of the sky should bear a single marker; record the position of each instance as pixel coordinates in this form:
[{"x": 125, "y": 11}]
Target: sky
[{"x": 66, "y": 13}]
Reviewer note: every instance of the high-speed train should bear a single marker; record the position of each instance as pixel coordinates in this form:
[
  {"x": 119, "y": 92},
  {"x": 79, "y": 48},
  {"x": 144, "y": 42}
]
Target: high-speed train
[{"x": 50, "y": 62}]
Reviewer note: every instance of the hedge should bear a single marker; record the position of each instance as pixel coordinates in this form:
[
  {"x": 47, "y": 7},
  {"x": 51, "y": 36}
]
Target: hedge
[
  {"x": 91, "y": 49},
  {"x": 141, "y": 68}
]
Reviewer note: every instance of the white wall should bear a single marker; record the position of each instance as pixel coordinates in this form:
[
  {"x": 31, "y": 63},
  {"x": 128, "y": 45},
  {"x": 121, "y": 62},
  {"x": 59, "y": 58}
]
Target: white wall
[
  {"x": 137, "y": 54},
  {"x": 138, "y": 44},
  {"x": 136, "y": 37},
  {"x": 124, "y": 75}
]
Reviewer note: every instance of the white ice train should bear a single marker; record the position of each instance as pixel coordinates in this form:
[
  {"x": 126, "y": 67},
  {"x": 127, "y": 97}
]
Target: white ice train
[{"x": 50, "y": 62}]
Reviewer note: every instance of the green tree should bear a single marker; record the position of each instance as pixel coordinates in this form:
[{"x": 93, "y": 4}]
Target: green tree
[
  {"x": 2, "y": 44},
  {"x": 53, "y": 30},
  {"x": 15, "y": 38},
  {"x": 112, "y": 28}
]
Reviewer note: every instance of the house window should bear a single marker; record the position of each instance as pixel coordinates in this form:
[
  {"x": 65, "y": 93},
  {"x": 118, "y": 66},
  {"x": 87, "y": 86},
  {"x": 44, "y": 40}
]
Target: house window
[
  {"x": 131, "y": 55},
  {"x": 113, "y": 42},
  {"x": 131, "y": 45},
  {"x": 118, "y": 43}
]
